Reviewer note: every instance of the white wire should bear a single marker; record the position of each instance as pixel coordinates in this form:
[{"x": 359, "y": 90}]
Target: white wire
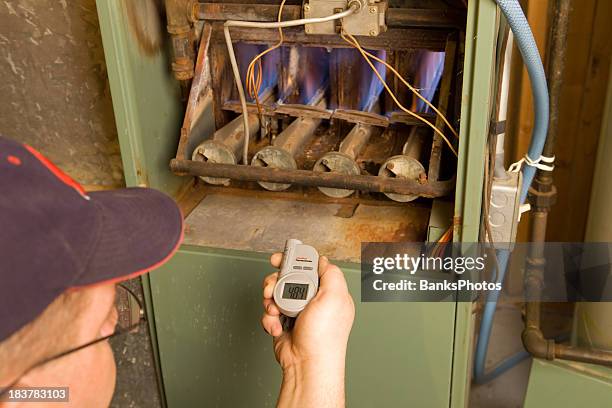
[{"x": 354, "y": 5}]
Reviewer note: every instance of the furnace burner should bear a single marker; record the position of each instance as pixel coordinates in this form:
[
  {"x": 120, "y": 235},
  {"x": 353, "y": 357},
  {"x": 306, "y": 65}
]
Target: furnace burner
[{"x": 322, "y": 117}]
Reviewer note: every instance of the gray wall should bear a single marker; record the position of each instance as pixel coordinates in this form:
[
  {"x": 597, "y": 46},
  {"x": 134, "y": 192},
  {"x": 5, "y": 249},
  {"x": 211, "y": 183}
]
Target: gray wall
[{"x": 55, "y": 93}]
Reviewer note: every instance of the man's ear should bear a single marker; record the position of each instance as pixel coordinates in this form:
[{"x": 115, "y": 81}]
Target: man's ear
[{"x": 110, "y": 323}]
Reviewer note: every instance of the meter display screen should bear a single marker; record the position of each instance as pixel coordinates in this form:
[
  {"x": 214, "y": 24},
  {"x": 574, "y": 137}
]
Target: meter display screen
[{"x": 297, "y": 291}]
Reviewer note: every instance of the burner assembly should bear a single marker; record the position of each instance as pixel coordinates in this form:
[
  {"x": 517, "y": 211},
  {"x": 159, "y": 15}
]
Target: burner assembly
[{"x": 350, "y": 97}]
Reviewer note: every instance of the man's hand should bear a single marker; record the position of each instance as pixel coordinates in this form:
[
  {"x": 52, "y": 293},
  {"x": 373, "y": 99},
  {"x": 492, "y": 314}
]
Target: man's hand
[{"x": 313, "y": 353}]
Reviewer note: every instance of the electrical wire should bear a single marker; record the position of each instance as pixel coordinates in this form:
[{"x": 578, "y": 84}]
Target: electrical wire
[
  {"x": 254, "y": 85},
  {"x": 414, "y": 90},
  {"x": 527, "y": 46},
  {"x": 353, "y": 41},
  {"x": 353, "y": 6},
  {"x": 489, "y": 169}
]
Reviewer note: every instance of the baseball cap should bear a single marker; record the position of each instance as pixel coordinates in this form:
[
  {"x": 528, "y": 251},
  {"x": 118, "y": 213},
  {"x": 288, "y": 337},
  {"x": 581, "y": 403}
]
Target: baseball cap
[{"x": 55, "y": 236}]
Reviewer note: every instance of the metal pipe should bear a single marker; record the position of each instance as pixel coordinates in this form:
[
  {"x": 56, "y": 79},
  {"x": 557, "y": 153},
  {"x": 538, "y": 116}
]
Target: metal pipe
[
  {"x": 225, "y": 146},
  {"x": 584, "y": 355},
  {"x": 407, "y": 165},
  {"x": 281, "y": 155},
  {"x": 179, "y": 28},
  {"x": 312, "y": 179},
  {"x": 542, "y": 198},
  {"x": 343, "y": 161},
  {"x": 290, "y": 83}
]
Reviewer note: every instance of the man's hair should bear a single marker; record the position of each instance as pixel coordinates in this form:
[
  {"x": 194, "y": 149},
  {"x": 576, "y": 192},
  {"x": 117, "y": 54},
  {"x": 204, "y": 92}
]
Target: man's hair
[{"x": 52, "y": 332}]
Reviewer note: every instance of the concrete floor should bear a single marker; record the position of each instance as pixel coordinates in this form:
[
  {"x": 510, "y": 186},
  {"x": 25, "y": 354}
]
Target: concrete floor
[
  {"x": 507, "y": 390},
  {"x": 136, "y": 378}
]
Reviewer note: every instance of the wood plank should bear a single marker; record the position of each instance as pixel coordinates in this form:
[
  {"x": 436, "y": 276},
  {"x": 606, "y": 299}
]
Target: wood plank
[
  {"x": 520, "y": 105},
  {"x": 578, "y": 164}
]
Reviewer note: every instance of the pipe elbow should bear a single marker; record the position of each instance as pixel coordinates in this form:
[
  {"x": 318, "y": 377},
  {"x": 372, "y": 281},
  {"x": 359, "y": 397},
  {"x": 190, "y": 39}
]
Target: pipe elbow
[{"x": 537, "y": 345}]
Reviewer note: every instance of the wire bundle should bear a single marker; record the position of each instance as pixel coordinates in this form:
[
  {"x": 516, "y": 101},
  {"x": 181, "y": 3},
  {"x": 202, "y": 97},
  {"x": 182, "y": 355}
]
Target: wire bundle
[{"x": 253, "y": 82}]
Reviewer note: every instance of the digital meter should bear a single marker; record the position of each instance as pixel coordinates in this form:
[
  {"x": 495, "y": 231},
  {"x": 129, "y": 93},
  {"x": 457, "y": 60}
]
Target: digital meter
[{"x": 298, "y": 280}]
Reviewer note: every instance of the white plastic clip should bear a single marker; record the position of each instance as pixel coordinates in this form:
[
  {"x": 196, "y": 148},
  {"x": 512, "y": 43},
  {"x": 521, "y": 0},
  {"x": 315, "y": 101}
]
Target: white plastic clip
[
  {"x": 538, "y": 164},
  {"x": 523, "y": 209}
]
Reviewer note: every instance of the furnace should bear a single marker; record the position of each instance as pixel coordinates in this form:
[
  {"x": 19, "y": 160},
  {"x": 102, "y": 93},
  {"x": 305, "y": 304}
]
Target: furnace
[{"x": 337, "y": 119}]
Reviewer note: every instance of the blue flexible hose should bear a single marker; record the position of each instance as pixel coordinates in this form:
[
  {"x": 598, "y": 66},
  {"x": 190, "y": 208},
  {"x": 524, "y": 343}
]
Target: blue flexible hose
[{"x": 531, "y": 57}]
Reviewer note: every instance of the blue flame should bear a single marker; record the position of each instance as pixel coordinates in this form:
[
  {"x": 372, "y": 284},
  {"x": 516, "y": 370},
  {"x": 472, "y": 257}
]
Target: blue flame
[
  {"x": 428, "y": 78},
  {"x": 359, "y": 74},
  {"x": 313, "y": 72},
  {"x": 370, "y": 85}
]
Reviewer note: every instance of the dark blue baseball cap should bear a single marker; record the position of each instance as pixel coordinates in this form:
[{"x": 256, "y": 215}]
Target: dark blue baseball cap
[{"x": 54, "y": 236}]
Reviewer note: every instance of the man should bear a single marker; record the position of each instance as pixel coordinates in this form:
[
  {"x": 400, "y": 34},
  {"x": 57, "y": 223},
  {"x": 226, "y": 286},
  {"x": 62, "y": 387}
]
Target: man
[{"x": 62, "y": 251}]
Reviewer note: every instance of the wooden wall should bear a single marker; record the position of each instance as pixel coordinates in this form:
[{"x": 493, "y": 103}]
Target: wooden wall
[{"x": 589, "y": 48}]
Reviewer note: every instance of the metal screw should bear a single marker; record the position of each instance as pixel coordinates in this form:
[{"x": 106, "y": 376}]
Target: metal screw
[
  {"x": 373, "y": 33},
  {"x": 306, "y": 7},
  {"x": 372, "y": 10}
]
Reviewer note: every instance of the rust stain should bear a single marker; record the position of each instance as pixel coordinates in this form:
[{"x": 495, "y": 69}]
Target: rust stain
[
  {"x": 145, "y": 24},
  {"x": 383, "y": 232}
]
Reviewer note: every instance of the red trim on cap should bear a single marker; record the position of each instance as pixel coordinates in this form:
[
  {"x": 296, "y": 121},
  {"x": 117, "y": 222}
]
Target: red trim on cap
[
  {"x": 141, "y": 271},
  {"x": 66, "y": 179}
]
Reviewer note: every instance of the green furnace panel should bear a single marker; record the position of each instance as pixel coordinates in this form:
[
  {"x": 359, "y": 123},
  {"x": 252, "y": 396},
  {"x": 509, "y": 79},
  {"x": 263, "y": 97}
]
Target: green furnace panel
[{"x": 207, "y": 308}]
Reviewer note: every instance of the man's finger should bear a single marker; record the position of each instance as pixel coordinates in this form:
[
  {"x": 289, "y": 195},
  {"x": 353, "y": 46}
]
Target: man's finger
[
  {"x": 268, "y": 285},
  {"x": 323, "y": 264},
  {"x": 272, "y": 325},
  {"x": 270, "y": 307},
  {"x": 331, "y": 277},
  {"x": 276, "y": 259}
]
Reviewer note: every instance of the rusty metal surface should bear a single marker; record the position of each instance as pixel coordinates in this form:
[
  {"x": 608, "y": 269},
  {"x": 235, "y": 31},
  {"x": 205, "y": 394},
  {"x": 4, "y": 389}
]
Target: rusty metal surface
[
  {"x": 396, "y": 17},
  {"x": 182, "y": 39},
  {"x": 263, "y": 225},
  {"x": 194, "y": 130},
  {"x": 299, "y": 110},
  {"x": 365, "y": 118},
  {"x": 407, "y": 119},
  {"x": 394, "y": 38},
  {"x": 196, "y": 191},
  {"x": 443, "y": 104},
  {"x": 296, "y": 135},
  {"x": 348, "y": 115},
  {"x": 310, "y": 178}
]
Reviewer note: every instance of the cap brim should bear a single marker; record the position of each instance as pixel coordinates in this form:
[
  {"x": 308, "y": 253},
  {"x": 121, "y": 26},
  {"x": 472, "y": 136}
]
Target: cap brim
[{"x": 139, "y": 230}]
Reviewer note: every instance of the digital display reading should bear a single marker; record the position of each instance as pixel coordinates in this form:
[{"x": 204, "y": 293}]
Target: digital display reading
[{"x": 297, "y": 291}]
